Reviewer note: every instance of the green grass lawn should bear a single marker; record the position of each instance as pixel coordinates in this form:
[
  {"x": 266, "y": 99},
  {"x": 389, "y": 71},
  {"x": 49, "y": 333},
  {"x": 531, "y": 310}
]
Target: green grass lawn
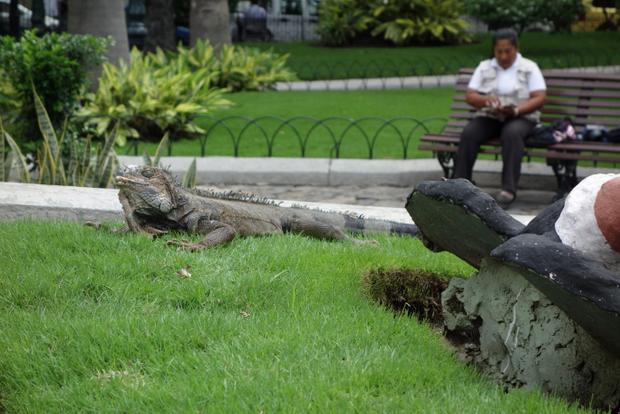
[
  {"x": 431, "y": 105},
  {"x": 550, "y": 50},
  {"x": 96, "y": 322}
]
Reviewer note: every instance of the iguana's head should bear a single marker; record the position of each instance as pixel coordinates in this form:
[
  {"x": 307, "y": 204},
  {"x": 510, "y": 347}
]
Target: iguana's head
[{"x": 149, "y": 190}]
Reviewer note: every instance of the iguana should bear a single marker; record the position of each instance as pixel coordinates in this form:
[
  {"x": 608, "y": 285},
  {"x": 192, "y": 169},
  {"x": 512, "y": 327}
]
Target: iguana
[{"x": 154, "y": 203}]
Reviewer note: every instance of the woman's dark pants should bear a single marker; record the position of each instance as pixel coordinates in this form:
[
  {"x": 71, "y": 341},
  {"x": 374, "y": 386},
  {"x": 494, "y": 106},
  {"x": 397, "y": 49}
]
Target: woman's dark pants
[{"x": 511, "y": 132}]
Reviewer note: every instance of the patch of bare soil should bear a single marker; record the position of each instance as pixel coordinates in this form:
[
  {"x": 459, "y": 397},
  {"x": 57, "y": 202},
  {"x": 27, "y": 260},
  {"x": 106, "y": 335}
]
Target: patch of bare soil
[{"x": 413, "y": 291}]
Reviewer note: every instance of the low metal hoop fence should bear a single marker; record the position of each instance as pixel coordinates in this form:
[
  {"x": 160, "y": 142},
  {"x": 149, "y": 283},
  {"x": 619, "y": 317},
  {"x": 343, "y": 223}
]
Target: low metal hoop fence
[{"x": 303, "y": 136}]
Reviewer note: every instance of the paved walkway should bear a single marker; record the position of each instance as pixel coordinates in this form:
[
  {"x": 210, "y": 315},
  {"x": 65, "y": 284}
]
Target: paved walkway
[{"x": 529, "y": 202}]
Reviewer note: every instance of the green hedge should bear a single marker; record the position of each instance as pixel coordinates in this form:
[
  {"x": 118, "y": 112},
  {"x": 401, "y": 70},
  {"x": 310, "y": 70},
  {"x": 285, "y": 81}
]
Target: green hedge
[
  {"x": 520, "y": 14},
  {"x": 56, "y": 65},
  {"x": 399, "y": 22}
]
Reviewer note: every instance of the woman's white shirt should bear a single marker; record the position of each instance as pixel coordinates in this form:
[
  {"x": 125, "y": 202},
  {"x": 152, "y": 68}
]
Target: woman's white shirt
[{"x": 507, "y": 78}]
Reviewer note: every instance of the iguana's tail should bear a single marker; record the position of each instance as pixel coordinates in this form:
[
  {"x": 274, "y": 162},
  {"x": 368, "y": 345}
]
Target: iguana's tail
[
  {"x": 368, "y": 226},
  {"x": 357, "y": 224}
]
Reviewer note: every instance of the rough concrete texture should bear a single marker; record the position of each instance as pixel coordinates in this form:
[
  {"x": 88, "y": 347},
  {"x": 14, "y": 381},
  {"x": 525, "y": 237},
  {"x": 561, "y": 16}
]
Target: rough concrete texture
[
  {"x": 582, "y": 287},
  {"x": 54, "y": 202},
  {"x": 577, "y": 226},
  {"x": 513, "y": 333}
]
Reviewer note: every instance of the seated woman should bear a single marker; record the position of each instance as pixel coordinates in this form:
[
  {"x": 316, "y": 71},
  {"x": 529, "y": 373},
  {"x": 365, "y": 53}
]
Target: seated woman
[{"x": 507, "y": 90}]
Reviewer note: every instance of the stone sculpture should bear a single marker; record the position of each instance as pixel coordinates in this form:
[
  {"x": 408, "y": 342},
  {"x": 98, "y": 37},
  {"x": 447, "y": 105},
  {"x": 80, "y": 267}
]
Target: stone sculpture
[{"x": 540, "y": 313}]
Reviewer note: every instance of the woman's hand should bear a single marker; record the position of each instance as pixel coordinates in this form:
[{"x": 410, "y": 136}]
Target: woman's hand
[
  {"x": 492, "y": 102},
  {"x": 509, "y": 111},
  {"x": 477, "y": 100}
]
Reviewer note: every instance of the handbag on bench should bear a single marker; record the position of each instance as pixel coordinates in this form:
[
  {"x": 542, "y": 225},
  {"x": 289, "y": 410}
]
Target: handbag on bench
[{"x": 559, "y": 131}]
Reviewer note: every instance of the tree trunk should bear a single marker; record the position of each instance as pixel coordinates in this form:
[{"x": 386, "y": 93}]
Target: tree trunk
[
  {"x": 160, "y": 25},
  {"x": 37, "y": 19},
  {"x": 14, "y": 28},
  {"x": 209, "y": 19},
  {"x": 101, "y": 18}
]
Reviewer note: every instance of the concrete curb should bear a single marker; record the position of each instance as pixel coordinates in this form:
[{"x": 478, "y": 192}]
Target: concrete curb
[
  {"x": 53, "y": 202},
  {"x": 80, "y": 204},
  {"x": 336, "y": 172},
  {"x": 408, "y": 82},
  {"x": 405, "y": 82}
]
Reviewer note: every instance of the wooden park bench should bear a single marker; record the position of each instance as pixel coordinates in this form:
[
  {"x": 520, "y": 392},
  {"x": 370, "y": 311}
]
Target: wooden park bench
[{"x": 586, "y": 98}]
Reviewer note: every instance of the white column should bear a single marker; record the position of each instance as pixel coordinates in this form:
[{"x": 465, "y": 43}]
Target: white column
[{"x": 276, "y": 7}]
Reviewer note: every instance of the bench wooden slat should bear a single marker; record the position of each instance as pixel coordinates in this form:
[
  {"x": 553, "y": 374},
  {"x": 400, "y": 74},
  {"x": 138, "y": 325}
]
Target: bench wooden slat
[
  {"x": 567, "y": 146},
  {"x": 454, "y": 148},
  {"x": 605, "y": 116},
  {"x": 582, "y": 112},
  {"x": 562, "y": 73},
  {"x": 579, "y": 103},
  {"x": 587, "y": 146},
  {"x": 579, "y": 121},
  {"x": 579, "y": 93},
  {"x": 561, "y": 83},
  {"x": 529, "y": 152},
  {"x": 572, "y": 93},
  {"x": 457, "y": 123},
  {"x": 452, "y": 131},
  {"x": 440, "y": 138}
]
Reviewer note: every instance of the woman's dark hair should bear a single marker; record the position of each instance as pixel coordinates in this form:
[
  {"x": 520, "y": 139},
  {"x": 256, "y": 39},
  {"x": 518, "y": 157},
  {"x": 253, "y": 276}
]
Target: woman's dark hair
[{"x": 506, "y": 34}]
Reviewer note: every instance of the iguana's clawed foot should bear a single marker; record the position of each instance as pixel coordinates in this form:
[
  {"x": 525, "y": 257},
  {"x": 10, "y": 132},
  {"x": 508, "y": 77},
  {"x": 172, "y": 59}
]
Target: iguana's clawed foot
[
  {"x": 369, "y": 242},
  {"x": 106, "y": 227},
  {"x": 121, "y": 230},
  {"x": 186, "y": 245}
]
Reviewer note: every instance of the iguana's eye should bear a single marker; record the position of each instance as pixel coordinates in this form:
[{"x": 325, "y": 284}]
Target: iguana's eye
[{"x": 148, "y": 173}]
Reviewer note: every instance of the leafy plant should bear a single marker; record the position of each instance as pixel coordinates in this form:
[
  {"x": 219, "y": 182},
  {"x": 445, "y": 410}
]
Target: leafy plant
[
  {"x": 236, "y": 68},
  {"x": 245, "y": 69},
  {"x": 523, "y": 13},
  {"x": 64, "y": 159},
  {"x": 56, "y": 64},
  {"x": 151, "y": 97},
  {"x": 341, "y": 22},
  {"x": 400, "y": 22},
  {"x": 21, "y": 163},
  {"x": 163, "y": 93},
  {"x": 562, "y": 13},
  {"x": 423, "y": 21}
]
